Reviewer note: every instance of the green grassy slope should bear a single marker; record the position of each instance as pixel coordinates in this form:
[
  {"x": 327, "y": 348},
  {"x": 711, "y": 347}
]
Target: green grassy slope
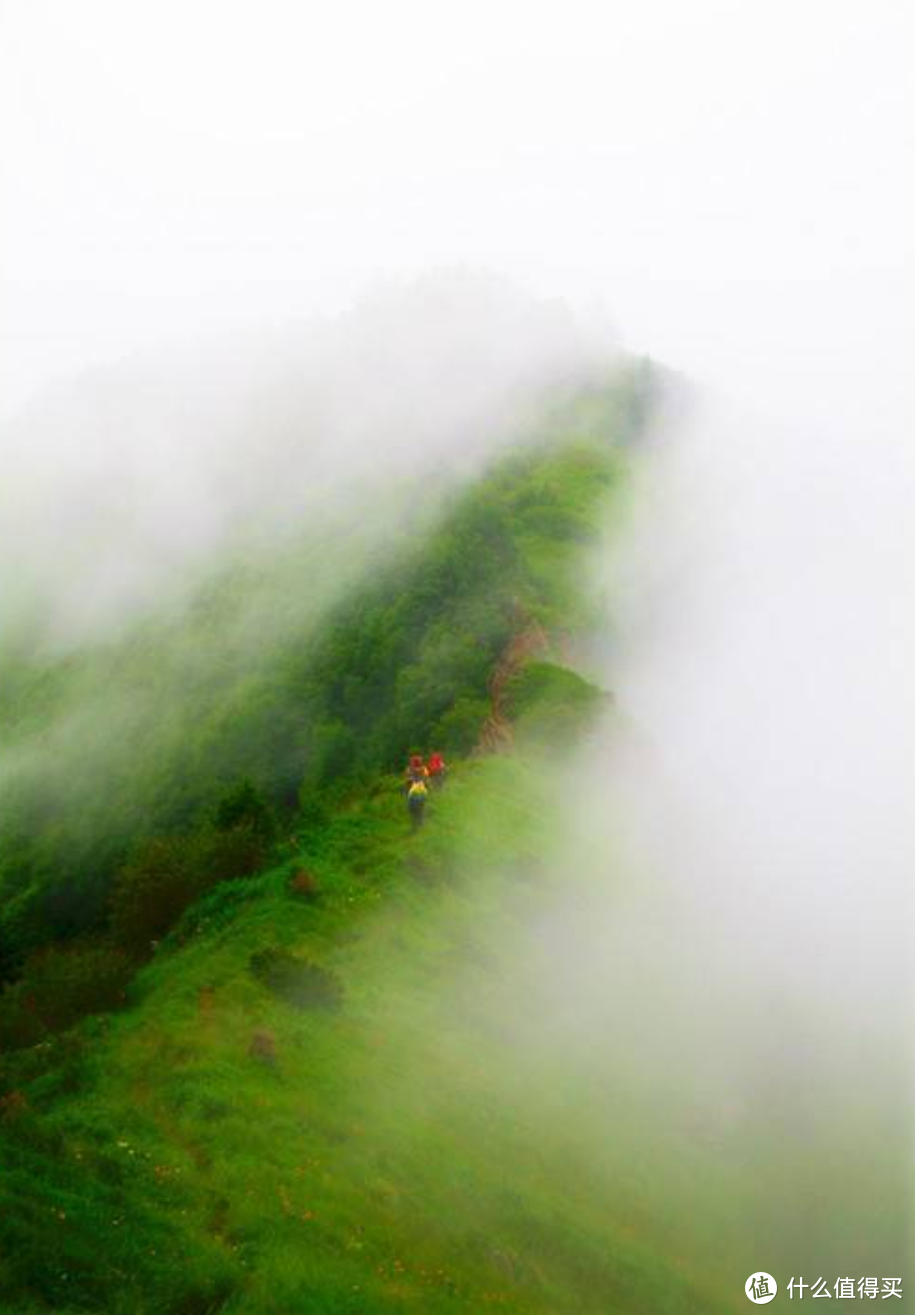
[
  {"x": 291, "y": 668},
  {"x": 343, "y": 1092},
  {"x": 412, "y": 1149}
]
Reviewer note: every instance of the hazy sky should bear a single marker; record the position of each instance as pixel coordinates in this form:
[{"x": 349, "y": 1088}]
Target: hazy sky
[{"x": 729, "y": 181}]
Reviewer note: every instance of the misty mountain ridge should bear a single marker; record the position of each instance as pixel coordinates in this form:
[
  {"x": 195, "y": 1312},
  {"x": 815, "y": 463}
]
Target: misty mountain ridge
[
  {"x": 205, "y": 860},
  {"x": 147, "y": 469}
]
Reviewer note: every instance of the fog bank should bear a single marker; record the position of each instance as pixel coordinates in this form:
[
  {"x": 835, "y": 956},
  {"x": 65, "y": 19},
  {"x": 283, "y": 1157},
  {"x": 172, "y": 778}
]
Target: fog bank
[
  {"x": 125, "y": 484},
  {"x": 742, "y": 955}
]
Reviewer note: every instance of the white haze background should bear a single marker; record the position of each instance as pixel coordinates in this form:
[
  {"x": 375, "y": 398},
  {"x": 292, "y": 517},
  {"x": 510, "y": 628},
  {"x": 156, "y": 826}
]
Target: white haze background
[{"x": 728, "y": 186}]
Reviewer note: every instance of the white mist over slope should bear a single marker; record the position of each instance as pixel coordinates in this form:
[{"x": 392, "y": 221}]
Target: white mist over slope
[
  {"x": 734, "y": 181},
  {"x": 743, "y": 958},
  {"x": 763, "y": 666},
  {"x": 724, "y": 981},
  {"x": 121, "y": 485}
]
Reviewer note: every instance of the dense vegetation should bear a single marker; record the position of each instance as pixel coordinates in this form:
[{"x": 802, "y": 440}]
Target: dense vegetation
[
  {"x": 189, "y": 739},
  {"x": 334, "y": 1098},
  {"x": 324, "y": 1092},
  {"x": 145, "y": 736}
]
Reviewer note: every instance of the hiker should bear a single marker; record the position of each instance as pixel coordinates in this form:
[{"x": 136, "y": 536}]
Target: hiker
[
  {"x": 416, "y": 802},
  {"x": 436, "y": 769},
  {"x": 416, "y": 770}
]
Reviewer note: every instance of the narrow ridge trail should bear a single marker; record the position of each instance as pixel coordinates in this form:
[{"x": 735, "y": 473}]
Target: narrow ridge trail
[{"x": 497, "y": 734}]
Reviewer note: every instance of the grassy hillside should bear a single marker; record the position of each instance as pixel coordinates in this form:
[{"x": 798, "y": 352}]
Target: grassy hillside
[
  {"x": 245, "y": 1144},
  {"x": 290, "y": 668},
  {"x": 335, "y": 1085}
]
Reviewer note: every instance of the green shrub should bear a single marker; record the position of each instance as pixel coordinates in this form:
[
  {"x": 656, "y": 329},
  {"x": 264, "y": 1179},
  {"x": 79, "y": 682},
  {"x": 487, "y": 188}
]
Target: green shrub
[
  {"x": 245, "y": 806},
  {"x": 170, "y": 872},
  {"x": 221, "y": 856},
  {"x": 333, "y": 749},
  {"x": 152, "y": 892},
  {"x": 299, "y": 982},
  {"x": 67, "y": 983},
  {"x": 459, "y": 729},
  {"x": 313, "y": 812},
  {"x": 217, "y": 908},
  {"x": 59, "y": 986},
  {"x": 20, "y": 1025},
  {"x": 550, "y": 701}
]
